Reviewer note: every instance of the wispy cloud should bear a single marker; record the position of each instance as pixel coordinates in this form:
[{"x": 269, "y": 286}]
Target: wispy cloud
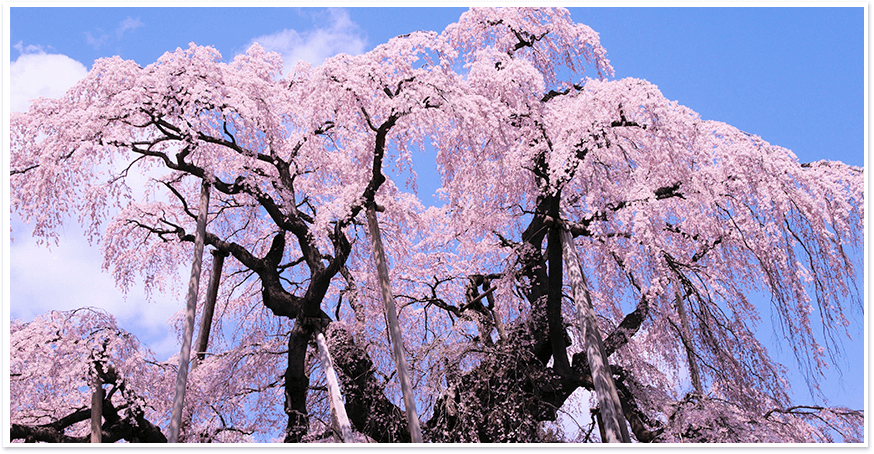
[
  {"x": 28, "y": 49},
  {"x": 341, "y": 35},
  {"x": 128, "y": 24},
  {"x": 97, "y": 42},
  {"x": 99, "y": 38}
]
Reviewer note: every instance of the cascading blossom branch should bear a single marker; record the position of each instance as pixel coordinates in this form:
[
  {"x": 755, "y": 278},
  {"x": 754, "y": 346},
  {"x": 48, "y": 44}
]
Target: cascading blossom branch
[{"x": 661, "y": 200}]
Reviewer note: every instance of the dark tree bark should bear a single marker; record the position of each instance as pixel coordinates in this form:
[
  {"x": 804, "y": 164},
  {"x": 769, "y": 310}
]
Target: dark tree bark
[
  {"x": 369, "y": 411},
  {"x": 557, "y": 331},
  {"x": 134, "y": 428},
  {"x": 296, "y": 383}
]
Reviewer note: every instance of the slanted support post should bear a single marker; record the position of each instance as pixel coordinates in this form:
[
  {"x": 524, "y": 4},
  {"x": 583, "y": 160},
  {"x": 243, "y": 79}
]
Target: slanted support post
[
  {"x": 218, "y": 260},
  {"x": 610, "y": 411},
  {"x": 393, "y": 326},
  {"x": 191, "y": 305},
  {"x": 694, "y": 374},
  {"x": 338, "y": 411},
  {"x": 97, "y": 397}
]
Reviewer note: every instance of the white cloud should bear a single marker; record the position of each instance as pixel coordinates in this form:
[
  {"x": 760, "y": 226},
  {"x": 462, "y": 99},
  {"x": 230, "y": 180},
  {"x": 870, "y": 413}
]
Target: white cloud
[
  {"x": 128, "y": 24},
  {"x": 314, "y": 46},
  {"x": 70, "y": 276},
  {"x": 35, "y": 75}
]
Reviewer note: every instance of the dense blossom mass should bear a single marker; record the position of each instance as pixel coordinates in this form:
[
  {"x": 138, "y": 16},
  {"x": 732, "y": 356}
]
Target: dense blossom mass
[{"x": 676, "y": 221}]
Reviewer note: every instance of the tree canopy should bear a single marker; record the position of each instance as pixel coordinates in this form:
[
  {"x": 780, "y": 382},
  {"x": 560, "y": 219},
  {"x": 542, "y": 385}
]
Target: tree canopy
[{"x": 677, "y": 220}]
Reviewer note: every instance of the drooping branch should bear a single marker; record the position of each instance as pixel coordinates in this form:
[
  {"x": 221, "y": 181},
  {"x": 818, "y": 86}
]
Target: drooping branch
[
  {"x": 581, "y": 227},
  {"x": 554, "y": 94},
  {"x": 627, "y": 328},
  {"x": 847, "y": 418}
]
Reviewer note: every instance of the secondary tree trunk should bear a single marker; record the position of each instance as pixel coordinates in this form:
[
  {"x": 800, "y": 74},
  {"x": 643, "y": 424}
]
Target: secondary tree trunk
[
  {"x": 605, "y": 389},
  {"x": 393, "y": 327},
  {"x": 338, "y": 410},
  {"x": 191, "y": 305}
]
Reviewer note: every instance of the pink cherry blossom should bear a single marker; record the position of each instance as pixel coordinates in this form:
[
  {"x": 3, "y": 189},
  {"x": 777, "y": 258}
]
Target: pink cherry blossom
[{"x": 531, "y": 135}]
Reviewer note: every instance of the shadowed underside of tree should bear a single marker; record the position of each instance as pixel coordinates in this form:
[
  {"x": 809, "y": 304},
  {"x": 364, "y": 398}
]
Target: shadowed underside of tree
[
  {"x": 509, "y": 392},
  {"x": 131, "y": 426}
]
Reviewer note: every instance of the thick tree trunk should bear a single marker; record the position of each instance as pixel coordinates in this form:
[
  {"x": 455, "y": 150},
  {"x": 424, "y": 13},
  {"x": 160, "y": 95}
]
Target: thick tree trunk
[
  {"x": 504, "y": 398},
  {"x": 338, "y": 410},
  {"x": 296, "y": 384},
  {"x": 188, "y": 332},
  {"x": 553, "y": 306},
  {"x": 605, "y": 389},
  {"x": 393, "y": 326}
]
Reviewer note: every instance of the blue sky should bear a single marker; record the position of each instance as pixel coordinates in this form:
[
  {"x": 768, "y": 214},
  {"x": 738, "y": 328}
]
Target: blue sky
[
  {"x": 794, "y": 76},
  {"x": 769, "y": 71}
]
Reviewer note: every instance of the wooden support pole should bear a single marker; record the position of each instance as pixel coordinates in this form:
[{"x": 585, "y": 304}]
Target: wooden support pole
[
  {"x": 338, "y": 410},
  {"x": 218, "y": 260},
  {"x": 97, "y": 397},
  {"x": 605, "y": 389},
  {"x": 393, "y": 326},
  {"x": 191, "y": 305}
]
